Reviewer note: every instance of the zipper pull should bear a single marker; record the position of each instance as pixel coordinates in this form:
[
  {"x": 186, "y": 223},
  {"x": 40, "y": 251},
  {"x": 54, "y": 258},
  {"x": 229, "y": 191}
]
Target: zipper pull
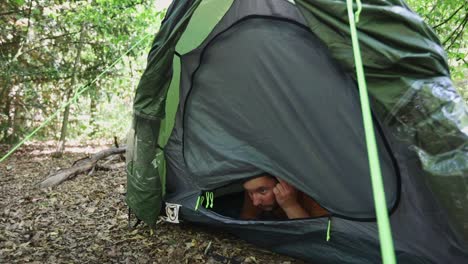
[
  {"x": 199, "y": 201},
  {"x": 329, "y": 229},
  {"x": 209, "y": 199}
]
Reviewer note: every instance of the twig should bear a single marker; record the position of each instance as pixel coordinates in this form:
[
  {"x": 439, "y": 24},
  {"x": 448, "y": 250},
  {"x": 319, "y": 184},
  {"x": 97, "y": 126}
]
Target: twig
[
  {"x": 450, "y": 17},
  {"x": 116, "y": 143},
  {"x": 207, "y": 248},
  {"x": 463, "y": 24}
]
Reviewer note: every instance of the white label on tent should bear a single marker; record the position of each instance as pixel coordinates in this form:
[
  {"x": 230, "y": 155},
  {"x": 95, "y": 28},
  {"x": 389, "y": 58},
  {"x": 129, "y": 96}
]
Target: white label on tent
[{"x": 172, "y": 212}]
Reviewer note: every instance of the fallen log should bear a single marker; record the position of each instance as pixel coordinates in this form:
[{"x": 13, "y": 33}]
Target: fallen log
[
  {"x": 108, "y": 167},
  {"x": 81, "y": 166}
]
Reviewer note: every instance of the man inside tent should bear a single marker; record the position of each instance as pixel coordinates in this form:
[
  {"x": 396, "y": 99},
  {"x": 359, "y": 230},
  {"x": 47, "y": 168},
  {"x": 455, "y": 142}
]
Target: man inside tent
[{"x": 270, "y": 198}]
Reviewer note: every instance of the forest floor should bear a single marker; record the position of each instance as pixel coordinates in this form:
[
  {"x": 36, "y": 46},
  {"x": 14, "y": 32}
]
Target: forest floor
[{"x": 85, "y": 220}]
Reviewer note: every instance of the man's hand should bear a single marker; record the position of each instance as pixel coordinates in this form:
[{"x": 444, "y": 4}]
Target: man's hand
[{"x": 286, "y": 197}]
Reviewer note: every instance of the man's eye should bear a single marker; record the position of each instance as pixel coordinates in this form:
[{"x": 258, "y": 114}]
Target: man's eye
[{"x": 263, "y": 191}]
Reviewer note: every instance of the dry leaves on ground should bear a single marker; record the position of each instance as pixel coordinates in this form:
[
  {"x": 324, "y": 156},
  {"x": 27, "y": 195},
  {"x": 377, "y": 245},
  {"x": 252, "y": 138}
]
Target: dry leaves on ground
[{"x": 85, "y": 220}]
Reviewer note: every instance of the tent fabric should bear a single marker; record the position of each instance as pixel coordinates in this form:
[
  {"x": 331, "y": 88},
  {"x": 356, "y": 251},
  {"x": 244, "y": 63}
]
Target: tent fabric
[
  {"x": 270, "y": 88},
  {"x": 144, "y": 188},
  {"x": 408, "y": 78},
  {"x": 263, "y": 113}
]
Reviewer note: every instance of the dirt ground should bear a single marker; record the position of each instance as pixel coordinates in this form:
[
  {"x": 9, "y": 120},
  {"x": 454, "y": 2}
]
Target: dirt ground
[{"x": 85, "y": 220}]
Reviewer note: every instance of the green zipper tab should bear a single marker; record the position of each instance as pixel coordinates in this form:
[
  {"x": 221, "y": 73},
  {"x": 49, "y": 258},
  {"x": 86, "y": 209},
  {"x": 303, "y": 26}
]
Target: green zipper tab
[
  {"x": 199, "y": 201},
  {"x": 208, "y": 197}
]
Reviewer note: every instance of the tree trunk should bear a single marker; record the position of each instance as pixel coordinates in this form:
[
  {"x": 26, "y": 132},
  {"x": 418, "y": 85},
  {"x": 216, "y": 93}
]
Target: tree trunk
[
  {"x": 14, "y": 126},
  {"x": 92, "y": 114},
  {"x": 6, "y": 112},
  {"x": 66, "y": 113},
  {"x": 11, "y": 135},
  {"x": 5, "y": 96},
  {"x": 9, "y": 129},
  {"x": 9, "y": 91}
]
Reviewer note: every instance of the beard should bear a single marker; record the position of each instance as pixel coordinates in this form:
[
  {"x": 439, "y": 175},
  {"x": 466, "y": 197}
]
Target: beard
[{"x": 268, "y": 207}]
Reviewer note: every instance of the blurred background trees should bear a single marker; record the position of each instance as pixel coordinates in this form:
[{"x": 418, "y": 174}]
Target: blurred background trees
[
  {"x": 449, "y": 19},
  {"x": 51, "y": 48}
]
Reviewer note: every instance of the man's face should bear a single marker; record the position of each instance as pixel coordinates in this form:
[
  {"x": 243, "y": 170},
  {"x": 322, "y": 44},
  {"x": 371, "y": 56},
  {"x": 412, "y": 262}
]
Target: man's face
[{"x": 260, "y": 191}]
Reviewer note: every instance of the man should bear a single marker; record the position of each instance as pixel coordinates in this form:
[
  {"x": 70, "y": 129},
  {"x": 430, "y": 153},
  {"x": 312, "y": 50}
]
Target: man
[{"x": 268, "y": 198}]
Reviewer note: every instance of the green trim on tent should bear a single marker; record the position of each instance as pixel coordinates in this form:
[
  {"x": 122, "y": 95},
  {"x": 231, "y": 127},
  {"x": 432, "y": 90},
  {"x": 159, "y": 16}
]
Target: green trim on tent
[
  {"x": 167, "y": 124},
  {"x": 205, "y": 17},
  {"x": 203, "y": 20},
  {"x": 144, "y": 188},
  {"x": 172, "y": 102},
  {"x": 151, "y": 92}
]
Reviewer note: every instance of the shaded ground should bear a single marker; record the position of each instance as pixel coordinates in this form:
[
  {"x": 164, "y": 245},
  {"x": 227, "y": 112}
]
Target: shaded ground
[{"x": 85, "y": 220}]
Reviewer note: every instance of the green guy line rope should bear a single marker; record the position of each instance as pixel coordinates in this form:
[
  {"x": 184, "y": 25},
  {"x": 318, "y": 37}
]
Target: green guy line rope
[
  {"x": 383, "y": 223},
  {"x": 78, "y": 92}
]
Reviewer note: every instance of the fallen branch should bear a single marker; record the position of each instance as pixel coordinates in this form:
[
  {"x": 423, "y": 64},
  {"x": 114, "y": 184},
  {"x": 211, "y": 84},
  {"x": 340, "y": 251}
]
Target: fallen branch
[
  {"x": 108, "y": 167},
  {"x": 82, "y": 166}
]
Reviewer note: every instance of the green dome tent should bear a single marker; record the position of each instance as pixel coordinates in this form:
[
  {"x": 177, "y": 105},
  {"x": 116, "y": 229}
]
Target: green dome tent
[{"x": 234, "y": 88}]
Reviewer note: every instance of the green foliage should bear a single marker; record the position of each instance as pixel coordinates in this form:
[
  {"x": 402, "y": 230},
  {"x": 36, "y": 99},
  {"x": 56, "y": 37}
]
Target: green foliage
[
  {"x": 449, "y": 19},
  {"x": 39, "y": 44}
]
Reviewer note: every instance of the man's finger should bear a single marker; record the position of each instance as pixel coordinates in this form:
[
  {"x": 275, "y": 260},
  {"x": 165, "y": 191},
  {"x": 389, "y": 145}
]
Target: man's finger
[
  {"x": 280, "y": 188},
  {"x": 286, "y": 185}
]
